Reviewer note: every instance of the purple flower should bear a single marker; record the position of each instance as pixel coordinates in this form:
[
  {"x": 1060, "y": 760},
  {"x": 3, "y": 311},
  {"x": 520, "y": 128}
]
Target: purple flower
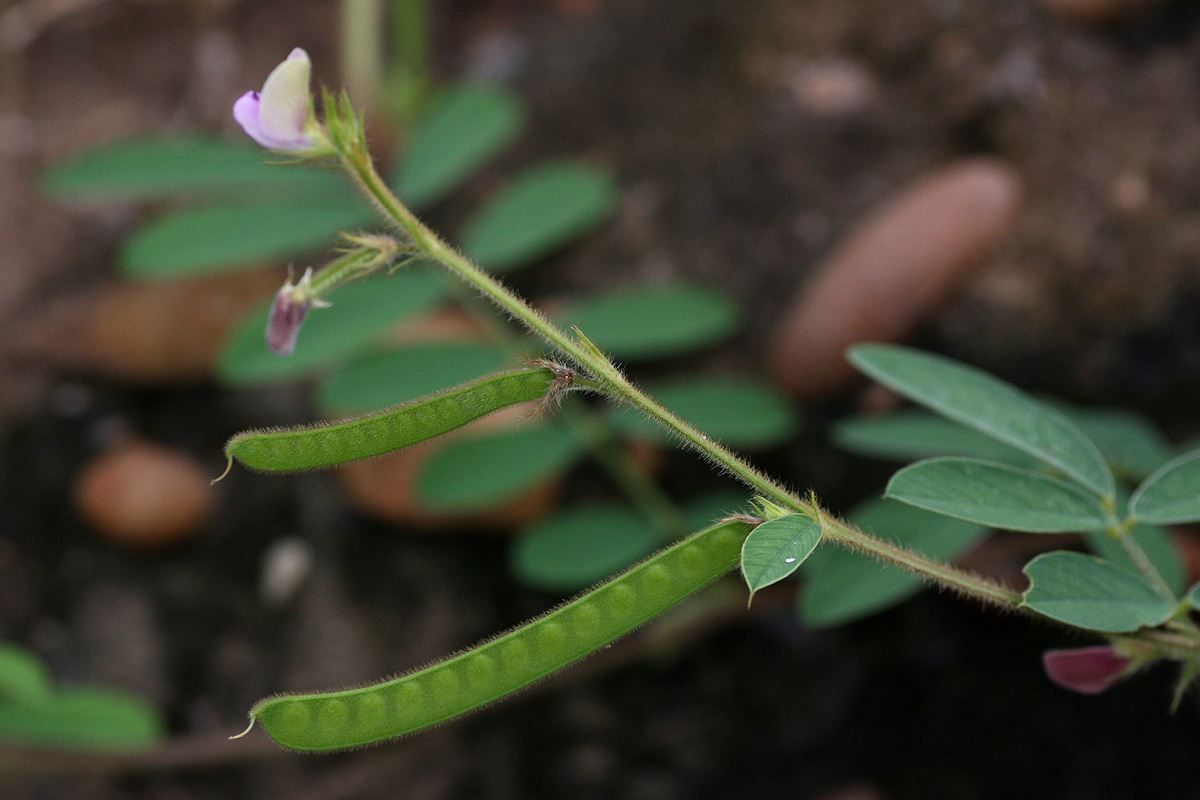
[
  {"x": 277, "y": 117},
  {"x": 1087, "y": 670},
  {"x": 292, "y": 303}
]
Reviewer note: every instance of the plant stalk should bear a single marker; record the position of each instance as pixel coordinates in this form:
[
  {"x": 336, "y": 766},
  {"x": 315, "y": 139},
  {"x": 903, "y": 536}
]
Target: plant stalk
[
  {"x": 362, "y": 57},
  {"x": 591, "y": 428},
  {"x": 409, "y": 79},
  {"x": 616, "y": 385},
  {"x": 612, "y": 382}
]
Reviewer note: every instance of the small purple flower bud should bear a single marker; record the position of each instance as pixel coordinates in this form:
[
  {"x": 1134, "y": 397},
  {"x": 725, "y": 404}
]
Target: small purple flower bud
[
  {"x": 277, "y": 117},
  {"x": 1087, "y": 670},
  {"x": 292, "y": 303}
]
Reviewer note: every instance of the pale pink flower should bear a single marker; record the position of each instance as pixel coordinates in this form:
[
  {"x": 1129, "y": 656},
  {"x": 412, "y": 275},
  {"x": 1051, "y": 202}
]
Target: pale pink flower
[{"x": 277, "y": 117}]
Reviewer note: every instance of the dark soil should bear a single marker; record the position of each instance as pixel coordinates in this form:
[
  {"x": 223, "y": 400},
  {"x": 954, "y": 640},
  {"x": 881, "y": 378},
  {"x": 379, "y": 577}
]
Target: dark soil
[{"x": 730, "y": 179}]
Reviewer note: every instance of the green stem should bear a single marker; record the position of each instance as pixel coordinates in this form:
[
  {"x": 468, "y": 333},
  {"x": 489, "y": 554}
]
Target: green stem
[
  {"x": 612, "y": 382},
  {"x": 360, "y": 23},
  {"x": 352, "y": 265},
  {"x": 409, "y": 78},
  {"x": 1170, "y": 644}
]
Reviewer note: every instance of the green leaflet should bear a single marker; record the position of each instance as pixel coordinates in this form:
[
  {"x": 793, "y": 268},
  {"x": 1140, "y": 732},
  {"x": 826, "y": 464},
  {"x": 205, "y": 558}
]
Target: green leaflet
[
  {"x": 541, "y": 210},
  {"x": 23, "y": 679},
  {"x": 197, "y": 241},
  {"x": 990, "y": 405},
  {"x": 486, "y": 470},
  {"x": 738, "y": 412},
  {"x": 640, "y": 323},
  {"x": 577, "y": 547},
  {"x": 1172, "y": 494},
  {"x": 465, "y": 126},
  {"x": 997, "y": 495},
  {"x": 155, "y": 168},
  {"x": 911, "y": 434},
  {"x": 360, "y": 313},
  {"x": 83, "y": 718},
  {"x": 1088, "y": 592},
  {"x": 777, "y": 548}
]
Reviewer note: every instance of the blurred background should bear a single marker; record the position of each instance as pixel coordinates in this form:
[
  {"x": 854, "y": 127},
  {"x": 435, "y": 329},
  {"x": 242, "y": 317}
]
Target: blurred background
[{"x": 1014, "y": 183}]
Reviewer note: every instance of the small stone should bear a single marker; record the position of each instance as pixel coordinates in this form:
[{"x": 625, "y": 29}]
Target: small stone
[
  {"x": 286, "y": 565},
  {"x": 144, "y": 496},
  {"x": 1131, "y": 192},
  {"x": 832, "y": 88},
  {"x": 900, "y": 265}
]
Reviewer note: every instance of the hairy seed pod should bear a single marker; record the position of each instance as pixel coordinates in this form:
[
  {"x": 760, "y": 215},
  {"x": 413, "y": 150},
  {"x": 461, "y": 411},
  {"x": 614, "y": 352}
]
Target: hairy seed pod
[
  {"x": 509, "y": 662},
  {"x": 324, "y": 445}
]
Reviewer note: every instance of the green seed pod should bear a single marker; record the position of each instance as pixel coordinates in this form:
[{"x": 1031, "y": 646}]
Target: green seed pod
[
  {"x": 316, "y": 446},
  {"x": 509, "y": 662}
]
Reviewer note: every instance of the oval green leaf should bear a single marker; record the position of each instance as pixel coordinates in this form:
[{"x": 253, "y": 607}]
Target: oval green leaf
[
  {"x": 988, "y": 404},
  {"x": 359, "y": 313},
  {"x": 540, "y": 211},
  {"x": 23, "y": 679},
  {"x": 1088, "y": 592},
  {"x": 464, "y": 127},
  {"x": 742, "y": 413},
  {"x": 82, "y": 718},
  {"x": 578, "y": 547},
  {"x": 1132, "y": 445},
  {"x": 203, "y": 241},
  {"x": 486, "y": 470},
  {"x": 777, "y": 548},
  {"x": 657, "y": 321},
  {"x": 398, "y": 376},
  {"x": 155, "y": 168},
  {"x": 914, "y": 433},
  {"x": 997, "y": 495},
  {"x": 841, "y": 585},
  {"x": 1172, "y": 494},
  {"x": 1193, "y": 596}
]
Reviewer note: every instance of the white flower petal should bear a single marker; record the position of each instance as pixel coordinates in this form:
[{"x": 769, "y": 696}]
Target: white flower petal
[{"x": 284, "y": 100}]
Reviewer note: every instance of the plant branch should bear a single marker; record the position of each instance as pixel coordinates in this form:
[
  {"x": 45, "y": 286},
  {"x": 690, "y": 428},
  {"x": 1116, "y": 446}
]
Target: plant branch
[{"x": 612, "y": 382}]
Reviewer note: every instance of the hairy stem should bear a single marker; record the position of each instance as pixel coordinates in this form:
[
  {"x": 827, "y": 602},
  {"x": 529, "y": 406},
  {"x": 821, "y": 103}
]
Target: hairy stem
[
  {"x": 612, "y": 382},
  {"x": 594, "y": 431}
]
